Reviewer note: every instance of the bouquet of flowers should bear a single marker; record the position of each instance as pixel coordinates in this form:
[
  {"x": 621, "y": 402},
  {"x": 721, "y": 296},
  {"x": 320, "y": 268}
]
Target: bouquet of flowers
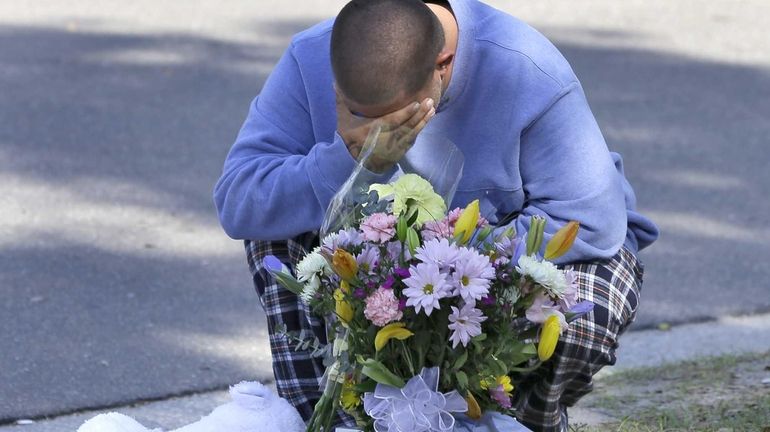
[{"x": 425, "y": 306}]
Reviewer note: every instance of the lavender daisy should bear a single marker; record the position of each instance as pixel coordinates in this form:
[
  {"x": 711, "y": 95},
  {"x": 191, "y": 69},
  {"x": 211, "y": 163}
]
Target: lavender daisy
[
  {"x": 425, "y": 286},
  {"x": 439, "y": 252},
  {"x": 395, "y": 249},
  {"x": 369, "y": 258},
  {"x": 342, "y": 239},
  {"x": 472, "y": 276},
  {"x": 465, "y": 324}
]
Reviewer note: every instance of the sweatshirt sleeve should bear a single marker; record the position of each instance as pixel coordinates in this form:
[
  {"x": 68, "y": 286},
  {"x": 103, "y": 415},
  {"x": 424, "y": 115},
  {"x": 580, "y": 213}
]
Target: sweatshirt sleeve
[
  {"x": 568, "y": 174},
  {"x": 277, "y": 180}
]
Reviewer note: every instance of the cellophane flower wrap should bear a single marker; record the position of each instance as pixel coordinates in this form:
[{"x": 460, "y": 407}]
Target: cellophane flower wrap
[{"x": 425, "y": 304}]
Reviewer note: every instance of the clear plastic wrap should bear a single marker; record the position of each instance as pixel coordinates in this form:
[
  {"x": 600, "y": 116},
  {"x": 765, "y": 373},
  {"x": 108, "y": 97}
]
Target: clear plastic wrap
[{"x": 432, "y": 157}]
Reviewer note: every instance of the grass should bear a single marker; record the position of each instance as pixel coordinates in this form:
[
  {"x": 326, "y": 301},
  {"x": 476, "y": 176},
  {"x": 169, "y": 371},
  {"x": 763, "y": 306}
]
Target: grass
[{"x": 722, "y": 394}]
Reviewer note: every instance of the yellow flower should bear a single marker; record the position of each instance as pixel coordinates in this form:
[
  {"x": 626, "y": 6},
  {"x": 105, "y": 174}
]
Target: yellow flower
[
  {"x": 502, "y": 380},
  {"x": 413, "y": 193},
  {"x": 549, "y": 337},
  {"x": 562, "y": 241},
  {"x": 342, "y": 307},
  {"x": 349, "y": 398},
  {"x": 344, "y": 264},
  {"x": 394, "y": 330},
  {"x": 466, "y": 223},
  {"x": 474, "y": 410}
]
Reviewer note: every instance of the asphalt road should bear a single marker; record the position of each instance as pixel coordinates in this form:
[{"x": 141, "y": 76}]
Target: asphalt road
[{"x": 116, "y": 282}]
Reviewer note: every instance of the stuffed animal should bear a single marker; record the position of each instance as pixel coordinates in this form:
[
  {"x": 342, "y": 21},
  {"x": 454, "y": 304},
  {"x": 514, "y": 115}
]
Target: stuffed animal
[{"x": 254, "y": 409}]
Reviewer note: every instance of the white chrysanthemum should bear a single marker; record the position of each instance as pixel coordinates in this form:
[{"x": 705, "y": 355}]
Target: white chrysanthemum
[
  {"x": 544, "y": 273},
  {"x": 311, "y": 287},
  {"x": 312, "y": 265}
]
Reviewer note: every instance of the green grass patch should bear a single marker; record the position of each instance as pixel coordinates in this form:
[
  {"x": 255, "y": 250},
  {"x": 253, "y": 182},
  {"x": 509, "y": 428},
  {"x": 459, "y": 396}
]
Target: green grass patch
[{"x": 722, "y": 394}]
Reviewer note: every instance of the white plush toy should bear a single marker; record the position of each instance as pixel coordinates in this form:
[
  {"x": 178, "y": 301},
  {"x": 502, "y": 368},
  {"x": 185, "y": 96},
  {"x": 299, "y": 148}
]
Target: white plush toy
[{"x": 254, "y": 409}]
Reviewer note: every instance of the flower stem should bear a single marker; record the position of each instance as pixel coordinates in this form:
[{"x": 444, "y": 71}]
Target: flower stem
[{"x": 409, "y": 361}]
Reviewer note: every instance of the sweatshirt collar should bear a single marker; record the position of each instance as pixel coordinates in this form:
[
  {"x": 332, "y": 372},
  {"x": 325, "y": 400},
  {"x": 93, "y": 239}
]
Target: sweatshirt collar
[{"x": 464, "y": 57}]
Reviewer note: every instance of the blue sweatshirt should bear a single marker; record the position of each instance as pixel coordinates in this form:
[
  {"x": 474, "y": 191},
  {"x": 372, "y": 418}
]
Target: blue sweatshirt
[{"x": 514, "y": 107}]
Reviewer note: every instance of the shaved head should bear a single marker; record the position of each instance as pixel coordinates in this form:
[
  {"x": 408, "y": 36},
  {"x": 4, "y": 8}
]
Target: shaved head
[{"x": 381, "y": 49}]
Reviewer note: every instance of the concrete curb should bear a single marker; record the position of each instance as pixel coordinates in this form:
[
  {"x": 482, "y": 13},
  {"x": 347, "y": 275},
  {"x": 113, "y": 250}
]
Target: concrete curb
[{"x": 646, "y": 348}]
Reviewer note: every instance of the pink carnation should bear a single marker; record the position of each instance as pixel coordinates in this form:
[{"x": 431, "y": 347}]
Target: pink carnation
[
  {"x": 382, "y": 307},
  {"x": 436, "y": 230},
  {"x": 452, "y": 216},
  {"x": 379, "y": 227}
]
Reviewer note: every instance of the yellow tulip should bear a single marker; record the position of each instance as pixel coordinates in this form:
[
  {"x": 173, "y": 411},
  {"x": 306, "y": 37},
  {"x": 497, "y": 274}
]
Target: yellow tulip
[
  {"x": 466, "y": 223},
  {"x": 391, "y": 331},
  {"x": 549, "y": 337},
  {"x": 474, "y": 410},
  {"x": 562, "y": 241},
  {"x": 345, "y": 287},
  {"x": 342, "y": 307},
  {"x": 344, "y": 264}
]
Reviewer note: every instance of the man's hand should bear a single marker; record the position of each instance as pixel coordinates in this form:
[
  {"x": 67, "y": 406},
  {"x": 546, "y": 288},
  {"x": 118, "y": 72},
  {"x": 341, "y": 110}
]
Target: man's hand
[{"x": 398, "y": 132}]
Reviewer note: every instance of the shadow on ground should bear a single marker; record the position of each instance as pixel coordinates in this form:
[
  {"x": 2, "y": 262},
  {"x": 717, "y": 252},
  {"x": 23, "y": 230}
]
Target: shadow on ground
[{"x": 156, "y": 114}]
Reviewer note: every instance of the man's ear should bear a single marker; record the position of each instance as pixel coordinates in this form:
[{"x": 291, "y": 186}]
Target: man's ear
[{"x": 443, "y": 60}]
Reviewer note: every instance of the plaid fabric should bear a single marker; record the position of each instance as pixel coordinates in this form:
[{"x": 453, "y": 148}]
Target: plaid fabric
[
  {"x": 613, "y": 285},
  {"x": 297, "y": 374},
  {"x": 540, "y": 401}
]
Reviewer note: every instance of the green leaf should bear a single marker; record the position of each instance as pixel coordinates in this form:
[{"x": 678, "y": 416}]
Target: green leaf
[
  {"x": 366, "y": 386},
  {"x": 462, "y": 380},
  {"x": 460, "y": 362},
  {"x": 289, "y": 282},
  {"x": 378, "y": 372},
  {"x": 529, "y": 349},
  {"x": 499, "y": 366},
  {"x": 480, "y": 338}
]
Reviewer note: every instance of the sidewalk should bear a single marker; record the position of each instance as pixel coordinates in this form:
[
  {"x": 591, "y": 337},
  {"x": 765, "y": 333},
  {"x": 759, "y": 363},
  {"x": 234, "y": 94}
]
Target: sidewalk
[{"x": 729, "y": 335}]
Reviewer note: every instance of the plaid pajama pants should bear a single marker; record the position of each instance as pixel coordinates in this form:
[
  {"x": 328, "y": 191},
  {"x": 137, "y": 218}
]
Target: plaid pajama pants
[{"x": 540, "y": 400}]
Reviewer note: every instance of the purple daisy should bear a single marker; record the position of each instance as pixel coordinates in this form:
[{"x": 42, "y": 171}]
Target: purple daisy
[
  {"x": 465, "y": 324},
  {"x": 368, "y": 259}
]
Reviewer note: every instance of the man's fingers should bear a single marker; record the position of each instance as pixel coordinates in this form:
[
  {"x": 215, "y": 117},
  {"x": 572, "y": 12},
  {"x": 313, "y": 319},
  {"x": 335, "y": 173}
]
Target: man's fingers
[
  {"x": 426, "y": 107},
  {"x": 421, "y": 123},
  {"x": 405, "y": 114}
]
